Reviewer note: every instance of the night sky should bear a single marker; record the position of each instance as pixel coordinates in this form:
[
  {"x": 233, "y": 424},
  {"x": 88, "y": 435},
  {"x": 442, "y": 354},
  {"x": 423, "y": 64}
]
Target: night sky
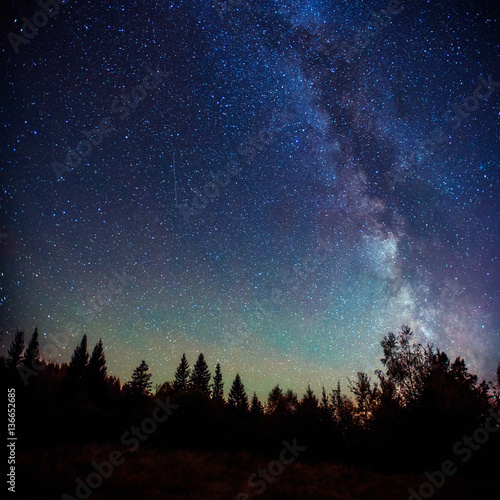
[{"x": 247, "y": 182}]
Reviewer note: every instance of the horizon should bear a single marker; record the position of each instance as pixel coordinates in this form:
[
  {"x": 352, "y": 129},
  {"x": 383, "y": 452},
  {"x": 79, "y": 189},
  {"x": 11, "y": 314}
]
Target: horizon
[{"x": 261, "y": 391}]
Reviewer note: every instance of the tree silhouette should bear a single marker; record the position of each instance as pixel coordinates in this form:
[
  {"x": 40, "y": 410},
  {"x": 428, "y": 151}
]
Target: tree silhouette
[
  {"x": 375, "y": 426},
  {"x": 342, "y": 408},
  {"x": 32, "y": 354},
  {"x": 96, "y": 373},
  {"x": 291, "y": 402},
  {"x": 309, "y": 400},
  {"x": 237, "y": 396},
  {"x": 77, "y": 367},
  {"x": 140, "y": 384},
  {"x": 218, "y": 385},
  {"x": 31, "y": 366},
  {"x": 200, "y": 376},
  {"x": 275, "y": 401},
  {"x": 364, "y": 396},
  {"x": 15, "y": 352},
  {"x": 337, "y": 403},
  {"x": 308, "y": 409},
  {"x": 404, "y": 363},
  {"x": 256, "y": 407},
  {"x": 448, "y": 388},
  {"x": 181, "y": 381},
  {"x": 279, "y": 403},
  {"x": 386, "y": 403},
  {"x": 79, "y": 359},
  {"x": 325, "y": 407},
  {"x": 164, "y": 389}
]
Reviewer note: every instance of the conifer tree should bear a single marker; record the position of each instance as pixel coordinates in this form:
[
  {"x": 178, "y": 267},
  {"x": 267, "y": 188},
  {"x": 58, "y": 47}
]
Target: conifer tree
[
  {"x": 342, "y": 408},
  {"x": 309, "y": 399},
  {"x": 291, "y": 402},
  {"x": 200, "y": 376},
  {"x": 140, "y": 384},
  {"x": 79, "y": 360},
  {"x": 164, "y": 389},
  {"x": 337, "y": 403},
  {"x": 96, "y": 373},
  {"x": 181, "y": 381},
  {"x": 15, "y": 352},
  {"x": 325, "y": 409},
  {"x": 275, "y": 401},
  {"x": 256, "y": 407},
  {"x": 237, "y": 396},
  {"x": 32, "y": 354},
  {"x": 31, "y": 365},
  {"x": 218, "y": 385},
  {"x": 75, "y": 379}
]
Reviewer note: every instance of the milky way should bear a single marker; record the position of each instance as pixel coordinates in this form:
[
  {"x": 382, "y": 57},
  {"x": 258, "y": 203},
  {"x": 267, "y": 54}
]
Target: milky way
[{"x": 274, "y": 184}]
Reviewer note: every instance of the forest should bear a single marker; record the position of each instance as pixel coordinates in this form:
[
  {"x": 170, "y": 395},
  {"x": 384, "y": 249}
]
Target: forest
[{"x": 421, "y": 411}]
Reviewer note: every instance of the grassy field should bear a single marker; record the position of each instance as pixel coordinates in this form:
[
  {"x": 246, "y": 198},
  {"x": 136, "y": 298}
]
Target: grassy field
[{"x": 148, "y": 475}]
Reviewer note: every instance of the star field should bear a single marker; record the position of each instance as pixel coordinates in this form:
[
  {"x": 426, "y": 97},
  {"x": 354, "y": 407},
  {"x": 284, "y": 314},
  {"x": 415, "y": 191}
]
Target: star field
[{"x": 238, "y": 180}]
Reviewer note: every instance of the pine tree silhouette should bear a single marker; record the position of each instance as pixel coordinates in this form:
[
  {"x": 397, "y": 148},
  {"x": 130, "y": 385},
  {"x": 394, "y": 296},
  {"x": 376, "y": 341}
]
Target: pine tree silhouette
[
  {"x": 15, "y": 352},
  {"x": 141, "y": 384},
  {"x": 96, "y": 373},
  {"x": 31, "y": 365},
  {"x": 325, "y": 408},
  {"x": 218, "y": 385},
  {"x": 77, "y": 368},
  {"x": 342, "y": 408},
  {"x": 181, "y": 381},
  {"x": 291, "y": 401},
  {"x": 275, "y": 401},
  {"x": 200, "y": 376},
  {"x": 256, "y": 407},
  {"x": 237, "y": 396},
  {"x": 32, "y": 354},
  {"x": 309, "y": 399},
  {"x": 80, "y": 358}
]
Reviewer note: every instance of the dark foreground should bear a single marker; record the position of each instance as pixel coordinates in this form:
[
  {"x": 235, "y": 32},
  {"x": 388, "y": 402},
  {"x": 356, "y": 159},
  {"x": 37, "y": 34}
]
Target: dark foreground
[{"x": 148, "y": 475}]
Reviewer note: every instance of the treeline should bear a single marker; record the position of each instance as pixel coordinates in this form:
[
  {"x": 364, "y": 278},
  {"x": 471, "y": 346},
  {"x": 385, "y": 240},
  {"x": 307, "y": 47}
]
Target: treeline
[{"x": 415, "y": 409}]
